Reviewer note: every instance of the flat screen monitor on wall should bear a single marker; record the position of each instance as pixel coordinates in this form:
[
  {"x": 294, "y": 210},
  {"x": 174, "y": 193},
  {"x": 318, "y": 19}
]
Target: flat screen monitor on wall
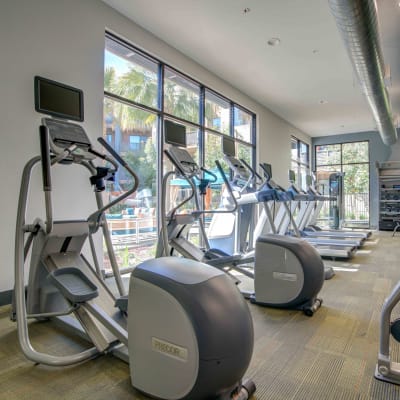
[
  {"x": 58, "y": 100},
  {"x": 175, "y": 134},
  {"x": 267, "y": 168},
  {"x": 228, "y": 146}
]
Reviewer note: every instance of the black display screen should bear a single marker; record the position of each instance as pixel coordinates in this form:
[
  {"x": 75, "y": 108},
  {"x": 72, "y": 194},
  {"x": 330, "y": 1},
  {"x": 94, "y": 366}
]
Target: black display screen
[
  {"x": 228, "y": 146},
  {"x": 58, "y": 100},
  {"x": 175, "y": 134},
  {"x": 267, "y": 168}
]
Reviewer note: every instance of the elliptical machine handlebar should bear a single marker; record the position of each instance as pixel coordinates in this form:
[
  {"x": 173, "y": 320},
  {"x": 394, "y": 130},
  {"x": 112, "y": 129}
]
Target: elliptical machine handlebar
[
  {"x": 120, "y": 160},
  {"x": 231, "y": 194},
  {"x": 254, "y": 173},
  {"x": 94, "y": 218},
  {"x": 46, "y": 174},
  {"x": 45, "y": 155},
  {"x": 215, "y": 178},
  {"x": 65, "y": 142}
]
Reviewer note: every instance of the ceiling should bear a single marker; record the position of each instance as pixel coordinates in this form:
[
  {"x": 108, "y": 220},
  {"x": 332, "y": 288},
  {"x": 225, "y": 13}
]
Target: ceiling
[{"x": 307, "y": 79}]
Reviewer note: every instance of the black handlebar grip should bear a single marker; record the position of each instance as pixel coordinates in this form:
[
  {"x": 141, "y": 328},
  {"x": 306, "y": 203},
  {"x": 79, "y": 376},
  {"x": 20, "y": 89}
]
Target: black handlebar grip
[
  {"x": 250, "y": 168},
  {"x": 215, "y": 178},
  {"x": 228, "y": 186},
  {"x": 45, "y": 154},
  {"x": 111, "y": 151},
  {"x": 221, "y": 171}
]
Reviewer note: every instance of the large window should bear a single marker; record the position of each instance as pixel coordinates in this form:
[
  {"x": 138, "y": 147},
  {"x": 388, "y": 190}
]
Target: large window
[
  {"x": 217, "y": 113},
  {"x": 351, "y": 160},
  {"x": 181, "y": 96},
  {"x": 140, "y": 92},
  {"x": 300, "y": 161}
]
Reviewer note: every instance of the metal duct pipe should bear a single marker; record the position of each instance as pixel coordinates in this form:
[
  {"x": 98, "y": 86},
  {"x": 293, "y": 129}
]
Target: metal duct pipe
[{"x": 357, "y": 23}]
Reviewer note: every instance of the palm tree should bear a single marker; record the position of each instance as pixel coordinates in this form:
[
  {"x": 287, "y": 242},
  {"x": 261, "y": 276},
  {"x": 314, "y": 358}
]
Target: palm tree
[{"x": 180, "y": 101}]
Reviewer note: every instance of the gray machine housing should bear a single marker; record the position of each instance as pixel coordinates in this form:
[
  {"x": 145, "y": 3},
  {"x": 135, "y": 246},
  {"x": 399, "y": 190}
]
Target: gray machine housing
[
  {"x": 288, "y": 273},
  {"x": 176, "y": 309}
]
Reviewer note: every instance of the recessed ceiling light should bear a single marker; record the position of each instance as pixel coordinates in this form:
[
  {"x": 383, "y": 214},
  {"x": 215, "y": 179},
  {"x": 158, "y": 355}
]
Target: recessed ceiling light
[{"x": 274, "y": 41}]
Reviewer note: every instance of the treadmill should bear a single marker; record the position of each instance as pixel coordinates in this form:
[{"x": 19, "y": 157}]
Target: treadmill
[
  {"x": 305, "y": 201},
  {"x": 310, "y": 224},
  {"x": 326, "y": 247}
]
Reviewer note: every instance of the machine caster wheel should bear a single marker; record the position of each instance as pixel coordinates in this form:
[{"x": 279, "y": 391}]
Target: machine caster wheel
[
  {"x": 248, "y": 387},
  {"x": 309, "y": 312}
]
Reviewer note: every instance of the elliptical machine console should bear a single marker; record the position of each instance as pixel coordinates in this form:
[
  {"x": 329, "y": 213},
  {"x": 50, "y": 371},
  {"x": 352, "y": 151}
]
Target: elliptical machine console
[{"x": 168, "y": 301}]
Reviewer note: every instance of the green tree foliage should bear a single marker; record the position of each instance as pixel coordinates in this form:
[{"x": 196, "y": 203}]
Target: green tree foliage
[
  {"x": 356, "y": 178},
  {"x": 143, "y": 163},
  {"x": 140, "y": 86},
  {"x": 353, "y": 160}
]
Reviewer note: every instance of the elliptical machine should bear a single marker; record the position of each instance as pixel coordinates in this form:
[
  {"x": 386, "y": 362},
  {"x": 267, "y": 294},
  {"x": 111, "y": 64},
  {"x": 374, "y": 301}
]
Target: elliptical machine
[
  {"x": 386, "y": 369},
  {"x": 169, "y": 298},
  {"x": 287, "y": 273}
]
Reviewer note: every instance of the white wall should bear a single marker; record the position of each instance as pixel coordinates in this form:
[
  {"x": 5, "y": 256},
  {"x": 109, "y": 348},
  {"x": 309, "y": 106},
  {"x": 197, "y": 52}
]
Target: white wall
[{"x": 64, "y": 40}]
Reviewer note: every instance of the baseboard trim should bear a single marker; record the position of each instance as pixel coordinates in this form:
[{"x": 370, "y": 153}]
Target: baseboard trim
[{"x": 5, "y": 297}]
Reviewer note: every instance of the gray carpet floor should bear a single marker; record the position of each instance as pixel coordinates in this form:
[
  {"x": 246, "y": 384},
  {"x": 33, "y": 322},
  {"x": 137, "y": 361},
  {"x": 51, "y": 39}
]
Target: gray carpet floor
[{"x": 331, "y": 355}]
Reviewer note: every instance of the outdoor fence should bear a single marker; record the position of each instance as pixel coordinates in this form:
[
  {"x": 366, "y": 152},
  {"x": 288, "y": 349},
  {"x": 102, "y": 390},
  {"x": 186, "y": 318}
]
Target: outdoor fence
[{"x": 356, "y": 210}]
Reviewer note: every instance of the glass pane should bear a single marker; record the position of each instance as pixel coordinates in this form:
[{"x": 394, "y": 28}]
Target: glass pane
[
  {"x": 179, "y": 188},
  {"x": 302, "y": 177},
  {"x": 325, "y": 216},
  {"x": 322, "y": 178},
  {"x": 181, "y": 96},
  {"x": 328, "y": 154},
  {"x": 244, "y": 153},
  {"x": 192, "y": 141},
  {"x": 304, "y": 153},
  {"x": 132, "y": 223},
  {"x": 213, "y": 151},
  {"x": 293, "y": 143},
  {"x": 243, "y": 122},
  {"x": 130, "y": 75},
  {"x": 295, "y": 168},
  {"x": 356, "y": 194},
  {"x": 217, "y": 113},
  {"x": 355, "y": 152}
]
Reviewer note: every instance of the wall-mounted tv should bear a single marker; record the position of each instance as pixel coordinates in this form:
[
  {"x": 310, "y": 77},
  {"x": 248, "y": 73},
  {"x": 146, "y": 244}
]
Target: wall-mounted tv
[
  {"x": 228, "y": 146},
  {"x": 58, "y": 100},
  {"x": 267, "y": 168},
  {"x": 174, "y": 133}
]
